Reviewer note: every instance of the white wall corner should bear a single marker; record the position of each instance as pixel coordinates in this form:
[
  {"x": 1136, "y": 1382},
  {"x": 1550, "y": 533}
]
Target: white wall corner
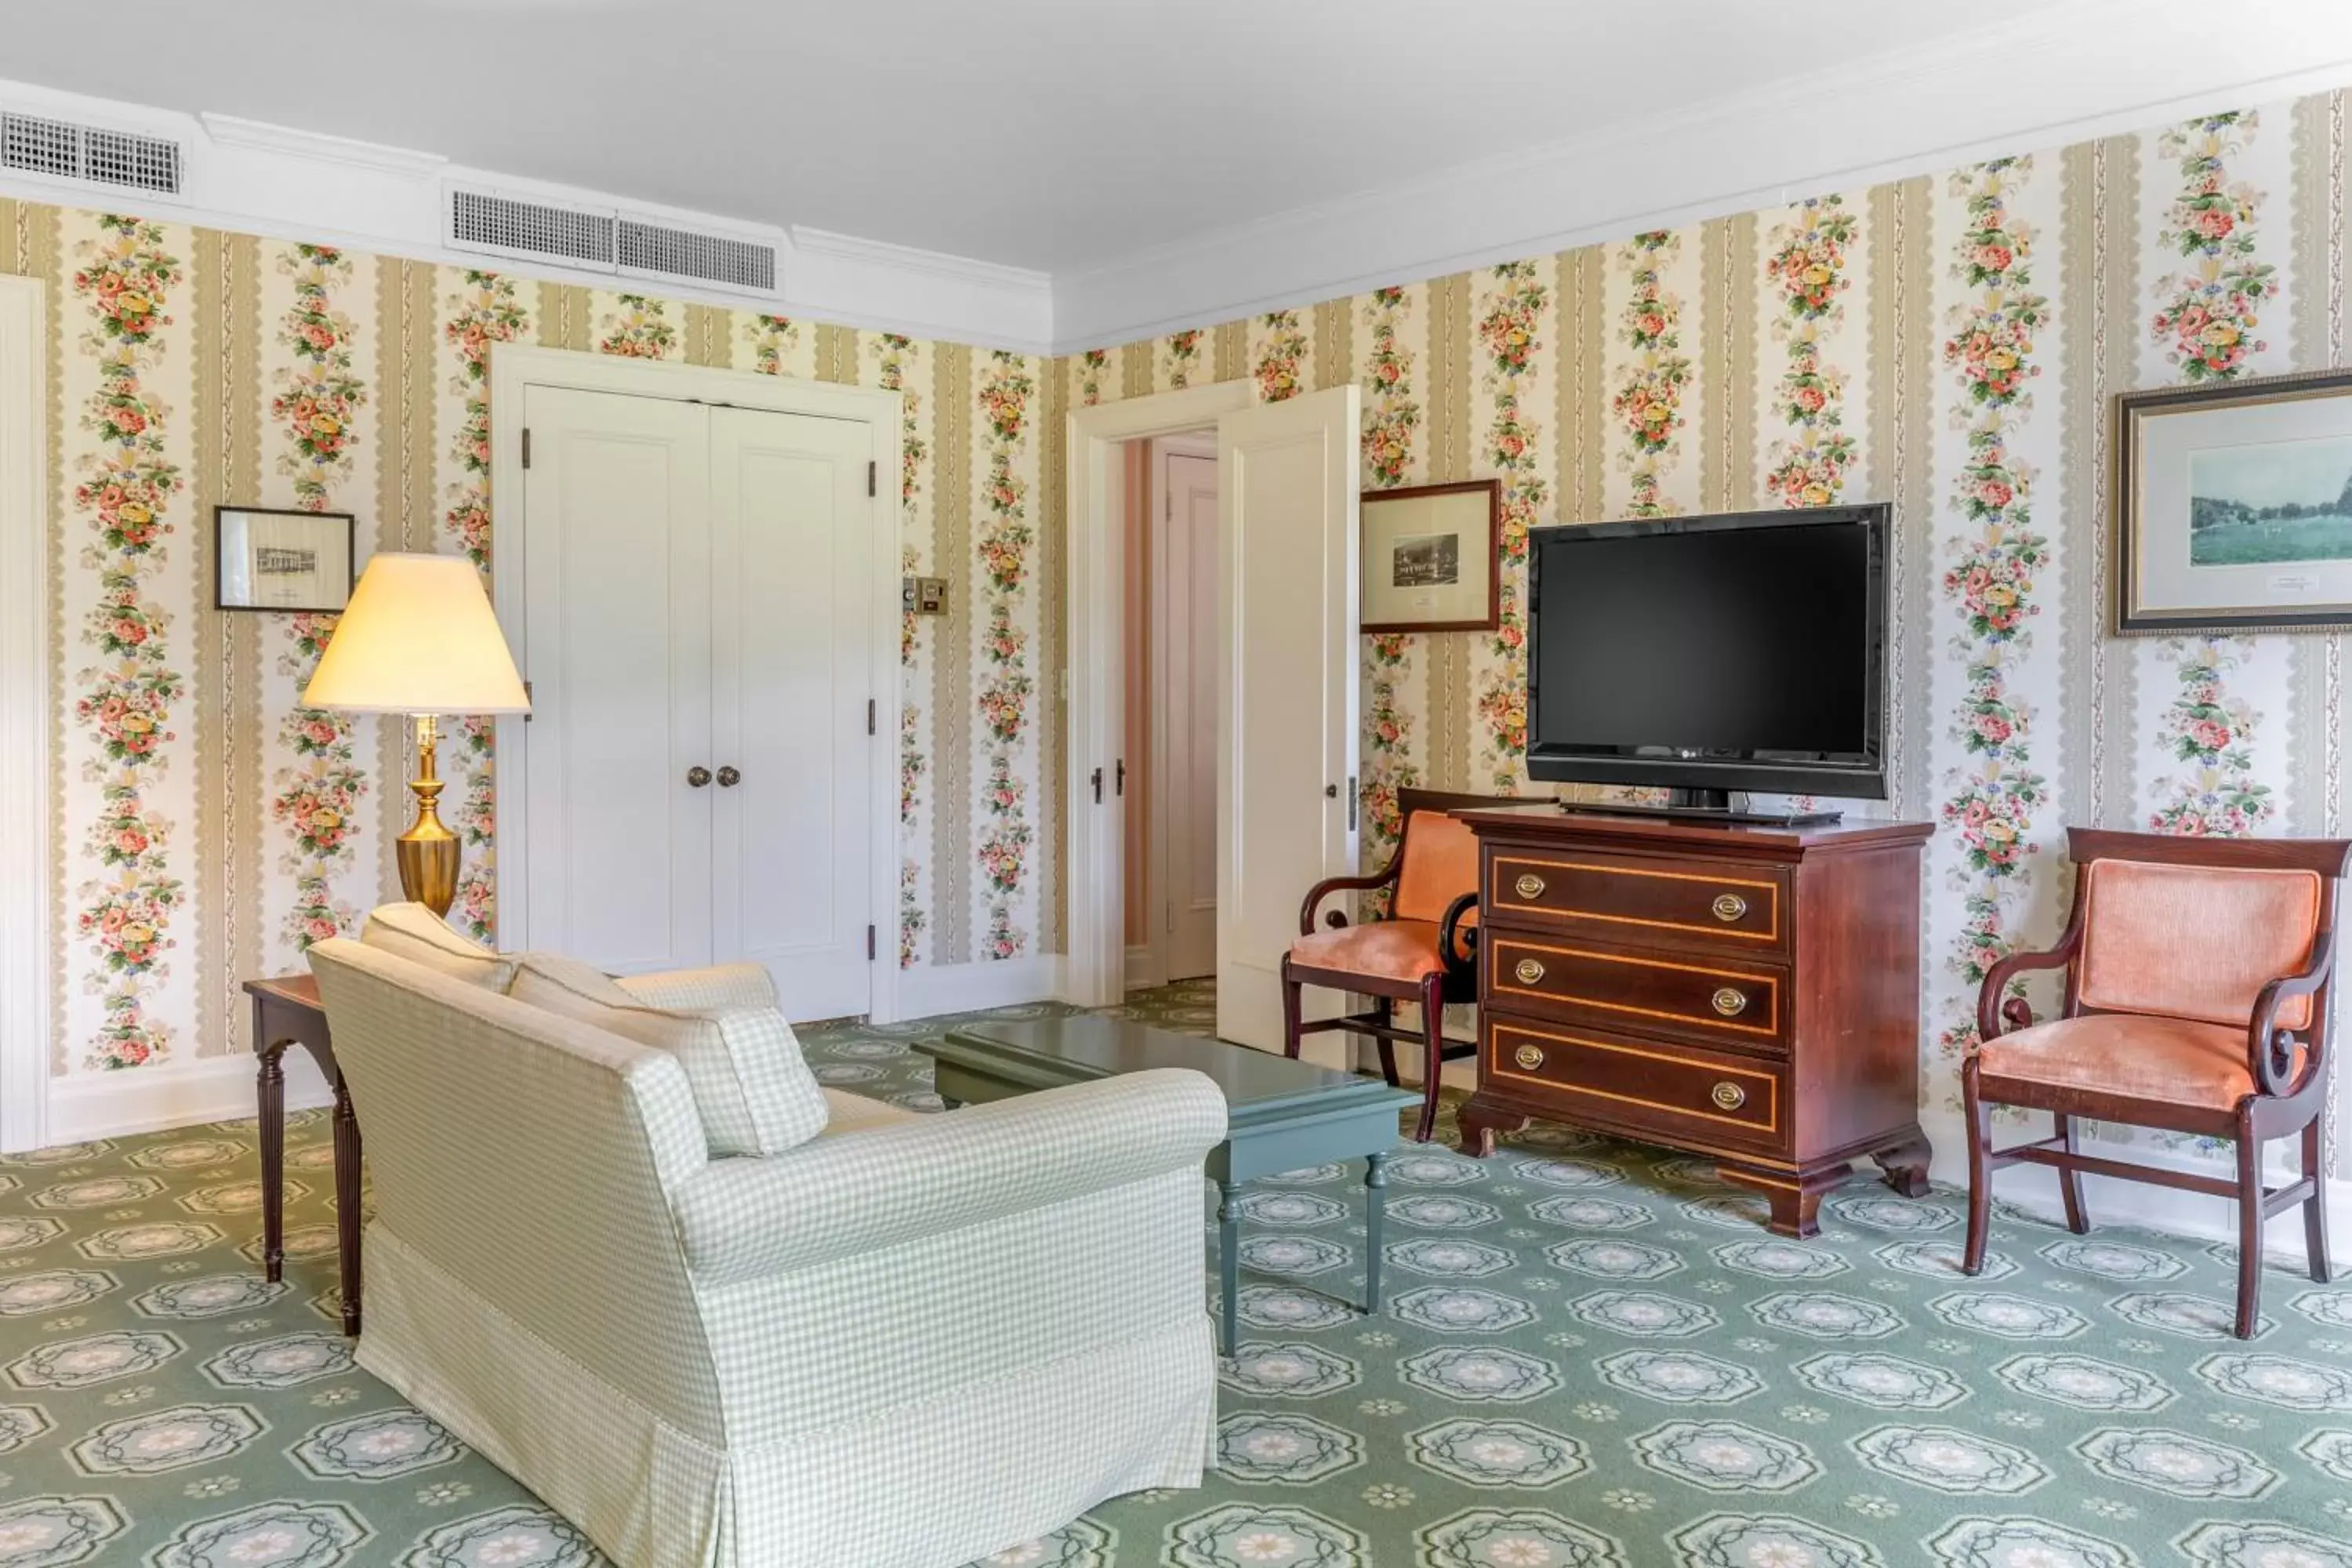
[{"x": 24, "y": 820}]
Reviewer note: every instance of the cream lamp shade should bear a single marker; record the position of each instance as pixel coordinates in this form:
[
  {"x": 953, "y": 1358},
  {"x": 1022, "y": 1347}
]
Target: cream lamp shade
[{"x": 418, "y": 636}]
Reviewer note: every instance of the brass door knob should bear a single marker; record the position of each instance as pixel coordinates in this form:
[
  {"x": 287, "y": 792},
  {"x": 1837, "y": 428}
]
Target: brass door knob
[
  {"x": 698, "y": 775},
  {"x": 1529, "y": 1057},
  {"x": 1728, "y": 1095},
  {"x": 1730, "y": 1002},
  {"x": 1531, "y": 886},
  {"x": 728, "y": 778},
  {"x": 1729, "y": 907},
  {"x": 1528, "y": 971}
]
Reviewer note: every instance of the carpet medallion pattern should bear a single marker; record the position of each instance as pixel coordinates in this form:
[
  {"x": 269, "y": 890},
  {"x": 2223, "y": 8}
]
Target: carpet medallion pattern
[{"x": 1593, "y": 1356}]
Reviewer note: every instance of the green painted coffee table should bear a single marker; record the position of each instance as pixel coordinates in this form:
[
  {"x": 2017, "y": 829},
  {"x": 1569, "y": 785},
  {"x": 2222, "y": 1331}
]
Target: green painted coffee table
[{"x": 1281, "y": 1115}]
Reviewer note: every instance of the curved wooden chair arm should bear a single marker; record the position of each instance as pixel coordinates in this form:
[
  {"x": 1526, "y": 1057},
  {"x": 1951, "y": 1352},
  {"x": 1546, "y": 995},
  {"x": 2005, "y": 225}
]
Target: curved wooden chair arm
[
  {"x": 1997, "y": 1010},
  {"x": 1458, "y": 943},
  {"x": 1331, "y": 885},
  {"x": 2269, "y": 1051}
]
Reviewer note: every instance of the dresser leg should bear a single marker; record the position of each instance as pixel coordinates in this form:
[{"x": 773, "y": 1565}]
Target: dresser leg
[
  {"x": 270, "y": 1091},
  {"x": 1795, "y": 1197},
  {"x": 1479, "y": 1123},
  {"x": 1905, "y": 1165}
]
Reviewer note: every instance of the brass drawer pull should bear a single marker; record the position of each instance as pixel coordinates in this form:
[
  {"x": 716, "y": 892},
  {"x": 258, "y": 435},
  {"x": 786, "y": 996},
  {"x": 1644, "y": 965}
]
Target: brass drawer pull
[
  {"x": 1528, "y": 971},
  {"x": 1728, "y": 1095},
  {"x": 1730, "y": 1002},
  {"x": 1729, "y": 907},
  {"x": 1529, "y": 1057},
  {"x": 1531, "y": 886}
]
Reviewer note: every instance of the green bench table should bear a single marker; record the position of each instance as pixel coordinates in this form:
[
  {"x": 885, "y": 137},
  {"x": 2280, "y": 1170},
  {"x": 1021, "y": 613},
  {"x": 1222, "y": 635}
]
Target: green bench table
[{"x": 1281, "y": 1115}]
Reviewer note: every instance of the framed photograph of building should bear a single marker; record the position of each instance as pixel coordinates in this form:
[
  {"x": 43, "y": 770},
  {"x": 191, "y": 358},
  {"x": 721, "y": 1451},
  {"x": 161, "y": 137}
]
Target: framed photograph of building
[
  {"x": 268, "y": 559},
  {"x": 1430, "y": 554},
  {"x": 2233, "y": 505}
]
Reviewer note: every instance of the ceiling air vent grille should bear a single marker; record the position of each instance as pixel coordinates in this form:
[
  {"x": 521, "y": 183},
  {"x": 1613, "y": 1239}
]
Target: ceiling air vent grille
[
  {"x": 59, "y": 148},
  {"x": 478, "y": 221},
  {"x": 688, "y": 253}
]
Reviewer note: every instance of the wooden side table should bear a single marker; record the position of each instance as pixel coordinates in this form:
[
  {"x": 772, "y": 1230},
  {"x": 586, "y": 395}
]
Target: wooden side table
[{"x": 285, "y": 1011}]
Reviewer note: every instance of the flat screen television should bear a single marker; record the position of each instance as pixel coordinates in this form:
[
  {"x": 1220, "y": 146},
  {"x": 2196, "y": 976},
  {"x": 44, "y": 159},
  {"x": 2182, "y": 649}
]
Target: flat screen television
[{"x": 1707, "y": 656}]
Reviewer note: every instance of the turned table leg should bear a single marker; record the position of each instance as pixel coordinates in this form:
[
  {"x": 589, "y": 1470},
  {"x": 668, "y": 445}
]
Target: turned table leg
[
  {"x": 347, "y": 1204},
  {"x": 271, "y": 1091},
  {"x": 1376, "y": 1188},
  {"x": 1229, "y": 1265}
]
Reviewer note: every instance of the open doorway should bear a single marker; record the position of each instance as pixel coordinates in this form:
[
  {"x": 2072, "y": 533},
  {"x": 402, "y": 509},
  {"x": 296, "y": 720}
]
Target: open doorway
[{"x": 1171, "y": 708}]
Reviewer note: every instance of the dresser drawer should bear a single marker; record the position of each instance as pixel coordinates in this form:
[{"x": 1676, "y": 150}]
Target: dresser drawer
[
  {"x": 1734, "y": 906},
  {"x": 1698, "y": 994},
  {"x": 1678, "y": 1094}
]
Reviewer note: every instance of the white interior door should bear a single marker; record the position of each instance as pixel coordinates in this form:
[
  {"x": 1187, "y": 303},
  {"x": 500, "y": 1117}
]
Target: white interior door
[
  {"x": 1185, "y": 658},
  {"x": 790, "y": 624},
  {"x": 1286, "y": 552},
  {"x": 617, "y": 520}
]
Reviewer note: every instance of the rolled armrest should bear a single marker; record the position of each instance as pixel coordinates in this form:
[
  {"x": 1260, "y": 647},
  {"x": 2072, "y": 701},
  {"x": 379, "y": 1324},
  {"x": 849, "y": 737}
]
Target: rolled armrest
[
  {"x": 721, "y": 985},
  {"x": 743, "y": 1218},
  {"x": 2269, "y": 1051}
]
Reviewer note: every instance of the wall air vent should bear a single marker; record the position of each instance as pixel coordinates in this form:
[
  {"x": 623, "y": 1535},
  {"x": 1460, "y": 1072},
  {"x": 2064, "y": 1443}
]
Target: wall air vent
[
  {"x": 715, "y": 258},
  {"x": 481, "y": 221},
  {"x": 60, "y": 150}
]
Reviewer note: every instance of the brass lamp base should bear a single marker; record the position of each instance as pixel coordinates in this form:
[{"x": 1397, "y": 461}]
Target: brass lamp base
[{"x": 427, "y": 853}]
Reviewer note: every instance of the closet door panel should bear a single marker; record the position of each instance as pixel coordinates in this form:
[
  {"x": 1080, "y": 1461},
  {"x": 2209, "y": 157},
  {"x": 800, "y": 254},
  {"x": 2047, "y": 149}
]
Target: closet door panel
[
  {"x": 792, "y": 634},
  {"x": 618, "y": 588}
]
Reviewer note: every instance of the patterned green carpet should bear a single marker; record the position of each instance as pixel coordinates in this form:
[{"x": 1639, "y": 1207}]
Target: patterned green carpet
[{"x": 1591, "y": 1355}]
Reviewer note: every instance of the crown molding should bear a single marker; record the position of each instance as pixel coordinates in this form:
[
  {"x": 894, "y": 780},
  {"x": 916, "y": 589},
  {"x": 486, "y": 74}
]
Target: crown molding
[
  {"x": 260, "y": 136},
  {"x": 2068, "y": 72}
]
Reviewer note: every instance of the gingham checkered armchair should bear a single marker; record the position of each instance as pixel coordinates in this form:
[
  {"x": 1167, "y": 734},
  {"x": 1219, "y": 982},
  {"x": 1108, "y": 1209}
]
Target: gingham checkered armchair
[{"x": 908, "y": 1342}]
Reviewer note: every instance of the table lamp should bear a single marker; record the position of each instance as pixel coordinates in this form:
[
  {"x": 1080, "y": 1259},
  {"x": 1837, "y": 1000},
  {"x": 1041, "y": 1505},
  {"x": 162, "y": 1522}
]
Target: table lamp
[{"x": 419, "y": 637}]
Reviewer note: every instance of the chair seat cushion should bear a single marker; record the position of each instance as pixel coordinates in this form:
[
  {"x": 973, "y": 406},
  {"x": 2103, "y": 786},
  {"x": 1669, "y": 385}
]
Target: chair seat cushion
[
  {"x": 2172, "y": 1061},
  {"x": 1383, "y": 949}
]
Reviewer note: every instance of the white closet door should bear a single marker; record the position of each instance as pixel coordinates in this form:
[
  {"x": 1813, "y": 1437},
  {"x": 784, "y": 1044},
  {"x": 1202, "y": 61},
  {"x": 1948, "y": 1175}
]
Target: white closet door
[
  {"x": 792, "y": 545},
  {"x": 1287, "y": 671},
  {"x": 616, "y": 589}
]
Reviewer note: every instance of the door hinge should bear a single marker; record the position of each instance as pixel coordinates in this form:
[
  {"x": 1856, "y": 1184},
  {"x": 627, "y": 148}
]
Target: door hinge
[
  {"x": 1096, "y": 779},
  {"x": 1351, "y": 806},
  {"x": 1122, "y": 777},
  {"x": 869, "y": 715},
  {"x": 873, "y": 477},
  {"x": 526, "y": 445},
  {"x": 526, "y": 698},
  {"x": 870, "y": 944},
  {"x": 1171, "y": 915}
]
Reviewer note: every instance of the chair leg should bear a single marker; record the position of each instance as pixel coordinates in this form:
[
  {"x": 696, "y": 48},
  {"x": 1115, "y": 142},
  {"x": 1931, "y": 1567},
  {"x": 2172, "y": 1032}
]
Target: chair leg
[
  {"x": 1290, "y": 1011},
  {"x": 1384, "y": 1012},
  {"x": 2249, "y": 1231},
  {"x": 2070, "y": 1183},
  {"x": 1978, "y": 1117},
  {"x": 2314, "y": 1207},
  {"x": 1433, "y": 1034}
]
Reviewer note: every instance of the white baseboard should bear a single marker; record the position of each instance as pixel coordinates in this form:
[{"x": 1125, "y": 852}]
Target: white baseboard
[
  {"x": 925, "y": 993},
  {"x": 146, "y": 1099},
  {"x": 2034, "y": 1188}
]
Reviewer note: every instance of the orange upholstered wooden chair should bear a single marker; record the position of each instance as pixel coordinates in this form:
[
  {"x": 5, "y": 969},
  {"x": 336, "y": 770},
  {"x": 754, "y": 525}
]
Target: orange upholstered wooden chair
[
  {"x": 2197, "y": 973},
  {"x": 1425, "y": 952}
]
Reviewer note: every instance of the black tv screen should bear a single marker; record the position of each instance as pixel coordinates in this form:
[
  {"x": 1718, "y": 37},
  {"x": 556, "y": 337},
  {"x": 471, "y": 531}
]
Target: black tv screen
[{"x": 1736, "y": 652}]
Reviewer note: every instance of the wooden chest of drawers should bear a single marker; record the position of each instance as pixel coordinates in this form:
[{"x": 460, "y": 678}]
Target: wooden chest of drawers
[{"x": 1749, "y": 993}]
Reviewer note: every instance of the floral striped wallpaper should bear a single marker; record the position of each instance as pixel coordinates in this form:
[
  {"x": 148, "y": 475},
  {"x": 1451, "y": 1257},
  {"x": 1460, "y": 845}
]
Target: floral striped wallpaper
[
  {"x": 210, "y": 827},
  {"x": 1950, "y": 344}
]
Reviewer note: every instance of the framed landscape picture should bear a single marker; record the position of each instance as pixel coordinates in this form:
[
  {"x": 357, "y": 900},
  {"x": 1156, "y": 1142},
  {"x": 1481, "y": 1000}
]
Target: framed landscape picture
[
  {"x": 2233, "y": 505},
  {"x": 269, "y": 559},
  {"x": 1428, "y": 558}
]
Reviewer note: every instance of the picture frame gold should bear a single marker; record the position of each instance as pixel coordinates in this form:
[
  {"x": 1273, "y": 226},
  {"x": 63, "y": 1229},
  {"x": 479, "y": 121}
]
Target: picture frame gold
[
  {"x": 1432, "y": 558},
  {"x": 2228, "y": 514}
]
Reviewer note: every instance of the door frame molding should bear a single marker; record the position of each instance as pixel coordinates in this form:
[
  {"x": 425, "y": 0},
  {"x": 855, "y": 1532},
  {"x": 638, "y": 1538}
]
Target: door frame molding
[
  {"x": 1159, "y": 871},
  {"x": 1094, "y": 678},
  {"x": 27, "y": 971},
  {"x": 515, "y": 367}
]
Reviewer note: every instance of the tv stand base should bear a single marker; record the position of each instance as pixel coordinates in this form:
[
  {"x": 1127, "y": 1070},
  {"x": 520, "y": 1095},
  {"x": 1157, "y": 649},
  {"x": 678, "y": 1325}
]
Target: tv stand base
[{"x": 1720, "y": 815}]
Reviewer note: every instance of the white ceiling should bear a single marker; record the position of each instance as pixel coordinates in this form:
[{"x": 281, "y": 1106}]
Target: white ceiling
[{"x": 1170, "y": 162}]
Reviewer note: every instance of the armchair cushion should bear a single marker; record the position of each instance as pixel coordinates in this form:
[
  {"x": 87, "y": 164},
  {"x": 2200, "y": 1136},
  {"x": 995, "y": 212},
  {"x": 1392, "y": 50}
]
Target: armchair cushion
[
  {"x": 1441, "y": 863},
  {"x": 2196, "y": 942},
  {"x": 719, "y": 986},
  {"x": 416, "y": 933},
  {"x": 1404, "y": 950},
  {"x": 755, "y": 1094},
  {"x": 2172, "y": 1061}
]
